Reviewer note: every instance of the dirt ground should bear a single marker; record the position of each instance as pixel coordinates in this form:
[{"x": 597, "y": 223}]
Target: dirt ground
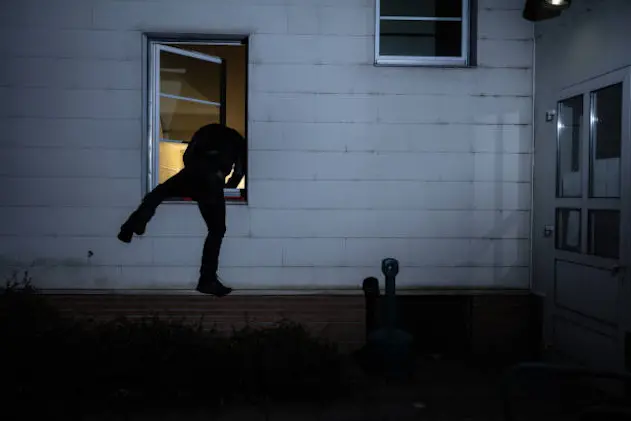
[{"x": 440, "y": 390}]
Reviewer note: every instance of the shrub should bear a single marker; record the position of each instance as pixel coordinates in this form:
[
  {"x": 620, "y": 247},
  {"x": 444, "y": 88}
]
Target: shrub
[{"x": 62, "y": 360}]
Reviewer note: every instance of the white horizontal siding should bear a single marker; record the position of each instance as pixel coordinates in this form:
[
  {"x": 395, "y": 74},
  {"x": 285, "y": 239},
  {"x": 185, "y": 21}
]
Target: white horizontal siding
[
  {"x": 164, "y": 251},
  {"x": 338, "y": 108},
  {"x": 390, "y": 223},
  {"x": 34, "y": 13},
  {"x": 280, "y": 194},
  {"x": 111, "y": 133},
  {"x": 74, "y": 251},
  {"x": 277, "y": 165},
  {"x": 58, "y": 221},
  {"x": 59, "y": 191},
  {"x": 70, "y": 43},
  {"x": 184, "y": 220},
  {"x": 380, "y": 137},
  {"x": 330, "y": 20},
  {"x": 70, "y": 103},
  {"x": 364, "y": 252},
  {"x": 311, "y": 49},
  {"x": 154, "y": 277},
  {"x": 71, "y": 73},
  {"x": 500, "y": 25},
  {"x": 349, "y": 163},
  {"x": 195, "y": 16},
  {"x": 367, "y": 79},
  {"x": 266, "y": 252},
  {"x": 442, "y": 253},
  {"x": 187, "y": 252},
  {"x": 58, "y": 162},
  {"x": 404, "y": 195},
  {"x": 505, "y": 53},
  {"x": 169, "y": 220}
]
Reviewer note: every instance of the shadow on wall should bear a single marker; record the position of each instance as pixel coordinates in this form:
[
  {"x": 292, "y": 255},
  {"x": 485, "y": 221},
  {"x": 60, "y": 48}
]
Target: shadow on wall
[{"x": 508, "y": 223}]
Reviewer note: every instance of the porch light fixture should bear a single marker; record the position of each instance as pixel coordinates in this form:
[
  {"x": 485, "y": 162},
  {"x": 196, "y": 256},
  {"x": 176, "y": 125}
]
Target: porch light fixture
[
  {"x": 538, "y": 10},
  {"x": 557, "y": 4}
]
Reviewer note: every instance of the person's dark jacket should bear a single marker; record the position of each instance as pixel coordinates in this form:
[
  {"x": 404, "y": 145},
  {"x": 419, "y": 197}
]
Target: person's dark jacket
[{"x": 216, "y": 147}]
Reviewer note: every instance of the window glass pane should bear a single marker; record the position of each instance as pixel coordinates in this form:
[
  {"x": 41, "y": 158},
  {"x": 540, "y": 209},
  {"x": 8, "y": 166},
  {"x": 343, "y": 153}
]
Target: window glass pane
[
  {"x": 189, "y": 77},
  {"x": 171, "y": 161},
  {"x": 604, "y": 233},
  {"x": 570, "y": 122},
  {"x": 236, "y": 63},
  {"x": 606, "y": 134},
  {"x": 420, "y": 38},
  {"x": 423, "y": 8},
  {"x": 568, "y": 229},
  {"x": 180, "y": 119}
]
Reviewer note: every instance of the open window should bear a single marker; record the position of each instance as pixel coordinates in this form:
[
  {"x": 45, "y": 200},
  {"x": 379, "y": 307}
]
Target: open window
[
  {"x": 193, "y": 83},
  {"x": 424, "y": 32}
]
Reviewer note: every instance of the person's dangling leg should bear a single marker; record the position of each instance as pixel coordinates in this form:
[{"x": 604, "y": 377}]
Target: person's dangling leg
[
  {"x": 213, "y": 210},
  {"x": 178, "y": 185}
]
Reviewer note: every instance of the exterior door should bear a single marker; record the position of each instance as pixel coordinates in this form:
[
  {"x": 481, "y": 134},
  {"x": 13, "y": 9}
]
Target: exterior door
[{"x": 589, "y": 306}]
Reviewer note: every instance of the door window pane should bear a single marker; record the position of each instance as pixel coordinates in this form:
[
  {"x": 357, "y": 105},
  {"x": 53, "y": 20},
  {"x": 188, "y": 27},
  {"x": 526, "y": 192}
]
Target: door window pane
[
  {"x": 570, "y": 122},
  {"x": 420, "y": 38},
  {"x": 604, "y": 233},
  {"x": 606, "y": 135},
  {"x": 568, "y": 229}
]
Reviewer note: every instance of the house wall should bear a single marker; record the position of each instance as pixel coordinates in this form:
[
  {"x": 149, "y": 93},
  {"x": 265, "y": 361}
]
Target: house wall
[
  {"x": 349, "y": 163},
  {"x": 588, "y": 40}
]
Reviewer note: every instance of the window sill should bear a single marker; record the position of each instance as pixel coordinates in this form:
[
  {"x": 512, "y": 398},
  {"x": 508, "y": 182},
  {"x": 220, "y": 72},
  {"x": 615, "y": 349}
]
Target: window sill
[
  {"x": 229, "y": 202},
  {"x": 422, "y": 61},
  {"x": 232, "y": 196}
]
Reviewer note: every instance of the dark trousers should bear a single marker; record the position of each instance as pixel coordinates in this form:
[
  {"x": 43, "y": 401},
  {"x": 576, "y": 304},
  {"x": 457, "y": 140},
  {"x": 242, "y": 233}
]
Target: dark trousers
[{"x": 204, "y": 188}]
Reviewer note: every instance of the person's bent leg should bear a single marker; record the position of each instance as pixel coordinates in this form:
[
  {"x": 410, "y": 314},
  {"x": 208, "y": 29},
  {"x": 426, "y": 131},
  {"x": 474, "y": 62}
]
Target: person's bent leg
[
  {"x": 176, "y": 186},
  {"x": 214, "y": 213}
]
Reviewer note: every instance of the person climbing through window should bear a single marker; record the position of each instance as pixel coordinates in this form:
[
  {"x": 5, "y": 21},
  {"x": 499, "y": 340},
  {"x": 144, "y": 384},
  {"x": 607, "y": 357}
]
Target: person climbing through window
[{"x": 214, "y": 151}]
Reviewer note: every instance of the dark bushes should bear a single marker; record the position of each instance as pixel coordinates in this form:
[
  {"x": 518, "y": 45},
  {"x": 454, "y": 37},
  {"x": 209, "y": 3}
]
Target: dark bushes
[{"x": 60, "y": 361}]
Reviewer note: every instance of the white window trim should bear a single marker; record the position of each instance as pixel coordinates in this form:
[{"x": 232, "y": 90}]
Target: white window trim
[
  {"x": 462, "y": 61},
  {"x": 154, "y": 45}
]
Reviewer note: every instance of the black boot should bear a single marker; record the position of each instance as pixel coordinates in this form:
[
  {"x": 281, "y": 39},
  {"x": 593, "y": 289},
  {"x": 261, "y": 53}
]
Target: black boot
[
  {"x": 130, "y": 227},
  {"x": 210, "y": 284}
]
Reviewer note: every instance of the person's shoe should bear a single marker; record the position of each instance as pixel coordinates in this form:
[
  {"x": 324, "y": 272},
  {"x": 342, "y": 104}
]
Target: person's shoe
[
  {"x": 125, "y": 234},
  {"x": 212, "y": 286},
  {"x": 128, "y": 230}
]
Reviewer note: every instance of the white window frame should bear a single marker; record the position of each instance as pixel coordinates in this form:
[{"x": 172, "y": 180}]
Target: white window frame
[
  {"x": 462, "y": 61},
  {"x": 156, "y": 44}
]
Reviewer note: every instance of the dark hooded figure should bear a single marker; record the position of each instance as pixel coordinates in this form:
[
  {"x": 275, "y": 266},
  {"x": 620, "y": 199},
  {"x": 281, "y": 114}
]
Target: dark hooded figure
[{"x": 212, "y": 153}]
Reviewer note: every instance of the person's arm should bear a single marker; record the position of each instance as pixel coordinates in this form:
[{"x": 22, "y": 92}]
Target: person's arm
[
  {"x": 191, "y": 151},
  {"x": 239, "y": 166}
]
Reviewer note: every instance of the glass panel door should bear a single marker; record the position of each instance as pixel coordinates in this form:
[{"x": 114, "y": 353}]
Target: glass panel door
[{"x": 592, "y": 207}]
